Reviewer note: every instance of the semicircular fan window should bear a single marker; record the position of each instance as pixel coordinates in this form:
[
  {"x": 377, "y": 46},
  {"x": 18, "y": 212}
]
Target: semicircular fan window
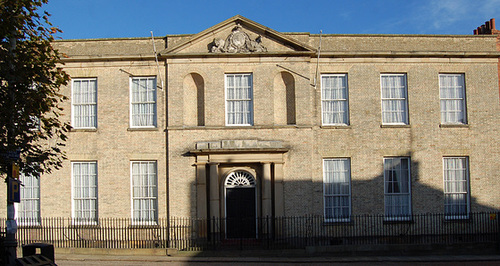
[{"x": 240, "y": 179}]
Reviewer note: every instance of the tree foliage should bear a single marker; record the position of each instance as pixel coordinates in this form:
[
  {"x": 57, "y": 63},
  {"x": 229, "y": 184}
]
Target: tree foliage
[{"x": 30, "y": 80}]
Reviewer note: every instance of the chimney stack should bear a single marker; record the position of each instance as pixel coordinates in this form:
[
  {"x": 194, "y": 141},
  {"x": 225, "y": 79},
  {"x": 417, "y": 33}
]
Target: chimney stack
[{"x": 487, "y": 28}]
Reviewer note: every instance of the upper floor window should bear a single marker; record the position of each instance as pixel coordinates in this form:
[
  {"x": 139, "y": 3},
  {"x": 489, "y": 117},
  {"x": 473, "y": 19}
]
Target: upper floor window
[
  {"x": 144, "y": 192},
  {"x": 143, "y": 102},
  {"x": 394, "y": 99},
  {"x": 456, "y": 187},
  {"x": 28, "y": 210},
  {"x": 84, "y": 103},
  {"x": 452, "y": 96},
  {"x": 84, "y": 192},
  {"x": 239, "y": 99},
  {"x": 337, "y": 189},
  {"x": 334, "y": 99},
  {"x": 397, "y": 193}
]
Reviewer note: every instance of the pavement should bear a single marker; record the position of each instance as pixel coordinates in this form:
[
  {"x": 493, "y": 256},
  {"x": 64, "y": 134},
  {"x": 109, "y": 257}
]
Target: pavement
[{"x": 195, "y": 258}]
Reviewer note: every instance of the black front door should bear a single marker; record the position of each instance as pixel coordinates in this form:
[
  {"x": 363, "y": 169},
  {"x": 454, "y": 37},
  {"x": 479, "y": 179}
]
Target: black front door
[{"x": 240, "y": 212}]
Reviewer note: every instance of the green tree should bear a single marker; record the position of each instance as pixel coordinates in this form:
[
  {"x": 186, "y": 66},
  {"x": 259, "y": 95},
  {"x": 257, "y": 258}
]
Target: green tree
[{"x": 30, "y": 81}]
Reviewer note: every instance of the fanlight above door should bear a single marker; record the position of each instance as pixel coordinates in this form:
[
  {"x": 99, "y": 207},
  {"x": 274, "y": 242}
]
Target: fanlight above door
[{"x": 240, "y": 179}]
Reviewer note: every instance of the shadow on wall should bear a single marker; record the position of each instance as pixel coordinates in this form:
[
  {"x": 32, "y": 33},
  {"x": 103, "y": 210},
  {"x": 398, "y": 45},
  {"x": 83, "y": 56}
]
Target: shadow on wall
[
  {"x": 369, "y": 197},
  {"x": 304, "y": 224}
]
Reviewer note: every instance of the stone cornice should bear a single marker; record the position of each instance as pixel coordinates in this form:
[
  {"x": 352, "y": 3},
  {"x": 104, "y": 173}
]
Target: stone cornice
[
  {"x": 324, "y": 54},
  {"x": 239, "y": 55},
  {"x": 410, "y": 54},
  {"x": 97, "y": 58},
  {"x": 224, "y": 151},
  {"x": 239, "y": 146}
]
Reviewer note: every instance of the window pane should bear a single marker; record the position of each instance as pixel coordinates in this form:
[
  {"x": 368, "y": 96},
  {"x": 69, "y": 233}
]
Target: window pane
[
  {"x": 456, "y": 186},
  {"x": 144, "y": 191},
  {"x": 336, "y": 189},
  {"x": 334, "y": 103},
  {"x": 452, "y": 95},
  {"x": 84, "y": 103},
  {"x": 143, "y": 102},
  {"x": 84, "y": 192},
  {"x": 394, "y": 100},
  {"x": 397, "y": 187},
  {"x": 239, "y": 99},
  {"x": 28, "y": 210}
]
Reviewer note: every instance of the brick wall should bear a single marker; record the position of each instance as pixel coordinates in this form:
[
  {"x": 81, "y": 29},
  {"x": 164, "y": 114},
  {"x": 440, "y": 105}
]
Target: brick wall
[{"x": 363, "y": 58}]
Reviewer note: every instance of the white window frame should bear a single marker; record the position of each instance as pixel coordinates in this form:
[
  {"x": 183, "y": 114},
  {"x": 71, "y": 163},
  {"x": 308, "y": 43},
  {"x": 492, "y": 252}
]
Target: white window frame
[
  {"x": 90, "y": 104},
  {"x": 149, "y": 124},
  {"x": 90, "y": 200},
  {"x": 338, "y": 198},
  {"x": 249, "y": 100},
  {"x": 393, "y": 99},
  {"x": 391, "y": 197},
  {"x": 449, "y": 181},
  {"x": 151, "y": 187},
  {"x": 336, "y": 101},
  {"x": 30, "y": 193},
  {"x": 445, "y": 102}
]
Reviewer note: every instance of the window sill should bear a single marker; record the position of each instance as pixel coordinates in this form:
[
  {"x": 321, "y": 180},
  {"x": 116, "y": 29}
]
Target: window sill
[
  {"x": 333, "y": 222},
  {"x": 398, "y": 220},
  {"x": 145, "y": 225},
  {"x": 84, "y": 130},
  {"x": 235, "y": 127},
  {"x": 336, "y": 126},
  {"x": 457, "y": 218},
  {"x": 395, "y": 126},
  {"x": 85, "y": 225},
  {"x": 29, "y": 225},
  {"x": 227, "y": 125},
  {"x": 142, "y": 129},
  {"x": 454, "y": 125}
]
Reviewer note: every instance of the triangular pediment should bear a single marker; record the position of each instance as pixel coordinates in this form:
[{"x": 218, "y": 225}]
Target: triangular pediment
[{"x": 237, "y": 35}]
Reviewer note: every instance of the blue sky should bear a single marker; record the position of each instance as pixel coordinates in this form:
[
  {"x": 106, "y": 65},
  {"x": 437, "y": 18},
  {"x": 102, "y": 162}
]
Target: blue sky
[{"x": 83, "y": 19}]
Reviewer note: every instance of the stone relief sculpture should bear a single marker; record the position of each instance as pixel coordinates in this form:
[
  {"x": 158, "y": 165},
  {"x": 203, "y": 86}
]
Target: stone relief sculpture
[
  {"x": 217, "y": 45},
  {"x": 237, "y": 42}
]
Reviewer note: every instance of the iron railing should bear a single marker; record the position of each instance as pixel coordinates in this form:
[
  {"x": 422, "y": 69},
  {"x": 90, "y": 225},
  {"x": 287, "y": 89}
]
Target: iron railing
[{"x": 270, "y": 233}]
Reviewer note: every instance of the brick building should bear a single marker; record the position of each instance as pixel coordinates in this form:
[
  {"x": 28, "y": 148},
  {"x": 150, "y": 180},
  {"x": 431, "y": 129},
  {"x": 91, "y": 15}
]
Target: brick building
[{"x": 240, "y": 120}]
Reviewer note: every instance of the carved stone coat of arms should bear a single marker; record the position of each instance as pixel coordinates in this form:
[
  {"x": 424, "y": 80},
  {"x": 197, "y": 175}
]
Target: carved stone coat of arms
[{"x": 237, "y": 42}]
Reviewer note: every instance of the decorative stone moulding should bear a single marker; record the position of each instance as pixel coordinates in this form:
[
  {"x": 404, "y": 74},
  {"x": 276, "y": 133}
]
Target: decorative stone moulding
[
  {"x": 239, "y": 144},
  {"x": 237, "y": 42}
]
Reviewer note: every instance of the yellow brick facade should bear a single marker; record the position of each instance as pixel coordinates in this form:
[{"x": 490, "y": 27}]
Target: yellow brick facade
[{"x": 284, "y": 148}]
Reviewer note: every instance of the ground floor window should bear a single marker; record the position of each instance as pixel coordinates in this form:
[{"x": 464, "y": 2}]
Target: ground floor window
[
  {"x": 28, "y": 210},
  {"x": 397, "y": 194},
  {"x": 84, "y": 192},
  {"x": 337, "y": 189},
  {"x": 144, "y": 192},
  {"x": 456, "y": 187}
]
